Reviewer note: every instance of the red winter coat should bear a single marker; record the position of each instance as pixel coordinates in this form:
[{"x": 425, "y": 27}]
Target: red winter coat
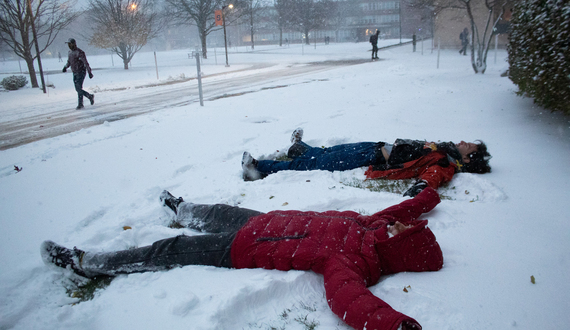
[
  {"x": 434, "y": 168},
  {"x": 350, "y": 250}
]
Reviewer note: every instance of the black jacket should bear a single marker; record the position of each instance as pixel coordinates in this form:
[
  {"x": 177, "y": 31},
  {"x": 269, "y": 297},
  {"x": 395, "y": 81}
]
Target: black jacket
[{"x": 77, "y": 60}]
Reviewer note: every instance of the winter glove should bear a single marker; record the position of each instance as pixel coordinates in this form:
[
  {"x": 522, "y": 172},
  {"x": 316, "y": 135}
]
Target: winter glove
[
  {"x": 409, "y": 325},
  {"x": 64, "y": 69},
  {"x": 90, "y": 75},
  {"x": 416, "y": 188}
]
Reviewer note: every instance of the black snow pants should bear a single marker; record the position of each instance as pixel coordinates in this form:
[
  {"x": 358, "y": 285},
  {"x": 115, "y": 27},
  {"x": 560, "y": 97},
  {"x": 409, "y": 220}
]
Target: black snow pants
[
  {"x": 78, "y": 78},
  {"x": 219, "y": 223}
]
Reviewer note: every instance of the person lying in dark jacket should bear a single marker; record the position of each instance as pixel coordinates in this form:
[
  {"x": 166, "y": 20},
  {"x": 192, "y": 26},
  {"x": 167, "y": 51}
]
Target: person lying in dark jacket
[
  {"x": 431, "y": 163},
  {"x": 352, "y": 251}
]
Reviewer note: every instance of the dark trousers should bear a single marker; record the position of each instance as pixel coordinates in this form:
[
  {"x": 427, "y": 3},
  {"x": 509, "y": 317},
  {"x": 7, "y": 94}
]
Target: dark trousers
[
  {"x": 220, "y": 224},
  {"x": 337, "y": 158},
  {"x": 374, "y": 51},
  {"x": 464, "y": 48},
  {"x": 78, "y": 79}
]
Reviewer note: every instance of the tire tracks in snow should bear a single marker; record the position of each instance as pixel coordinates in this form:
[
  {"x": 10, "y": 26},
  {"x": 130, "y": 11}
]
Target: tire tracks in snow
[{"x": 59, "y": 120}]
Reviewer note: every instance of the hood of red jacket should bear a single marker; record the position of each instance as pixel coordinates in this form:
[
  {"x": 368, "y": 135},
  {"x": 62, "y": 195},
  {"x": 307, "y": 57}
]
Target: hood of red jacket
[{"x": 414, "y": 250}]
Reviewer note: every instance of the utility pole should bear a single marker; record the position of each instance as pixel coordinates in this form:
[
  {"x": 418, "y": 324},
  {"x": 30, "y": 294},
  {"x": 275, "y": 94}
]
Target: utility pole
[
  {"x": 225, "y": 37},
  {"x": 400, "y": 18}
]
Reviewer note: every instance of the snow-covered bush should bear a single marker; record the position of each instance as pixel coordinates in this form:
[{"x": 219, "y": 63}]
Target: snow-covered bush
[
  {"x": 539, "y": 52},
  {"x": 12, "y": 83}
]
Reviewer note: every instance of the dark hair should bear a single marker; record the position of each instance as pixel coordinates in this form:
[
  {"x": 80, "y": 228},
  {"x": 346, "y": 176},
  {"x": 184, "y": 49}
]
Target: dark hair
[{"x": 478, "y": 160}]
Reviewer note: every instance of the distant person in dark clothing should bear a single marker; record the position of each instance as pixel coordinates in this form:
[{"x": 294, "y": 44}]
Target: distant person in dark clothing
[
  {"x": 464, "y": 36},
  {"x": 77, "y": 60},
  {"x": 374, "y": 42}
]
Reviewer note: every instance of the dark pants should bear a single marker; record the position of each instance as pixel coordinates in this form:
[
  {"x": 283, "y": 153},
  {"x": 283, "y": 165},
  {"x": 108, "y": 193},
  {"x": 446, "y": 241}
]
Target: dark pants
[
  {"x": 337, "y": 158},
  {"x": 220, "y": 223},
  {"x": 464, "y": 48},
  {"x": 78, "y": 78},
  {"x": 374, "y": 51}
]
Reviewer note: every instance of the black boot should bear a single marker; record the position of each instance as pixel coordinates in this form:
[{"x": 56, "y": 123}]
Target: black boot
[
  {"x": 296, "y": 150},
  {"x": 169, "y": 200},
  {"x": 54, "y": 254}
]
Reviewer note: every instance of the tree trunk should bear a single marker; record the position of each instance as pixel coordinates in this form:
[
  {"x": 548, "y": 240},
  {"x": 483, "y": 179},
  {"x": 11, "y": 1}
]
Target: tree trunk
[
  {"x": 124, "y": 55},
  {"x": 30, "y": 63},
  {"x": 307, "y": 42},
  {"x": 204, "y": 46},
  {"x": 251, "y": 29},
  {"x": 27, "y": 56}
]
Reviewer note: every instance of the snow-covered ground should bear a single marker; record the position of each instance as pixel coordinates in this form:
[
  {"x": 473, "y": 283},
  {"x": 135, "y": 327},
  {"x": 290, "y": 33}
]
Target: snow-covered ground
[{"x": 80, "y": 189}]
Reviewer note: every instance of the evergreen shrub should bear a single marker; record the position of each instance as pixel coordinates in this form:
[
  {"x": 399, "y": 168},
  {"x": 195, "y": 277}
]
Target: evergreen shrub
[
  {"x": 539, "y": 52},
  {"x": 12, "y": 83}
]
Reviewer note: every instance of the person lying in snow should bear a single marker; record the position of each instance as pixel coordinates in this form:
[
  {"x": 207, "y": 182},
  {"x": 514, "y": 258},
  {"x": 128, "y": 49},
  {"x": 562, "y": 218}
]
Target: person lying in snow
[
  {"x": 351, "y": 251},
  {"x": 432, "y": 163}
]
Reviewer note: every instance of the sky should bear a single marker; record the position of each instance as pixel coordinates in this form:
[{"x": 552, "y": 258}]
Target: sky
[{"x": 81, "y": 189}]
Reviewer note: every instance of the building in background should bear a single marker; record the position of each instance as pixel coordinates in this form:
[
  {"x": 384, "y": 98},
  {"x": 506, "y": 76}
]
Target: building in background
[
  {"x": 449, "y": 23},
  {"x": 354, "y": 21}
]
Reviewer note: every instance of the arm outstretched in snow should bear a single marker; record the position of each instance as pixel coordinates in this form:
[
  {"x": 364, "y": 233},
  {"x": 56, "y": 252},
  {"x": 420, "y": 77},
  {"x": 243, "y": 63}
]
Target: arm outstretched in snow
[
  {"x": 411, "y": 209},
  {"x": 349, "y": 298}
]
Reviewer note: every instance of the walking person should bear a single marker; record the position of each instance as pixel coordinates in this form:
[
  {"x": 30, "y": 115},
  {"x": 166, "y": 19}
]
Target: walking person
[
  {"x": 352, "y": 251},
  {"x": 77, "y": 60},
  {"x": 374, "y": 42},
  {"x": 464, "y": 36}
]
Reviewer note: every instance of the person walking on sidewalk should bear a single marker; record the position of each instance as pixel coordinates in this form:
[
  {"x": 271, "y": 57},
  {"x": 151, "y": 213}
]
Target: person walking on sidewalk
[
  {"x": 464, "y": 36},
  {"x": 374, "y": 42},
  {"x": 77, "y": 60}
]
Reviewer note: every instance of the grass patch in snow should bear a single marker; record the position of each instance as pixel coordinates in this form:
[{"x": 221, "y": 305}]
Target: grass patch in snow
[
  {"x": 393, "y": 186},
  {"x": 379, "y": 185},
  {"x": 291, "y": 318},
  {"x": 87, "y": 290}
]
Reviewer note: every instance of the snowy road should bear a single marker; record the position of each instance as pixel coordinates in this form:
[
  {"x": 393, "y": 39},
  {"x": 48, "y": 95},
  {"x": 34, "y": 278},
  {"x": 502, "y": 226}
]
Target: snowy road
[{"x": 60, "y": 119}]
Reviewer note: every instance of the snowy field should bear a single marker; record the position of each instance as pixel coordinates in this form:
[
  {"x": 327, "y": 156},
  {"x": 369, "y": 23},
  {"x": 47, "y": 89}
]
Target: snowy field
[{"x": 80, "y": 189}]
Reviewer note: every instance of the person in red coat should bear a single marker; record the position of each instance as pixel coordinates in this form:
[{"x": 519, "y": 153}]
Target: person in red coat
[
  {"x": 431, "y": 163},
  {"x": 352, "y": 251}
]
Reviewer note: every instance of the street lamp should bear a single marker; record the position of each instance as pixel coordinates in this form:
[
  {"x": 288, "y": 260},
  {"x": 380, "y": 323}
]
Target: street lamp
[{"x": 224, "y": 23}]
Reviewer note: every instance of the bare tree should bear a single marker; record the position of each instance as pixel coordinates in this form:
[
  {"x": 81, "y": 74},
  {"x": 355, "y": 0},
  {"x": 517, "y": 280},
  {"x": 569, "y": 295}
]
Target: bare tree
[
  {"x": 283, "y": 12},
  {"x": 340, "y": 11},
  {"x": 310, "y": 15},
  {"x": 123, "y": 26},
  {"x": 49, "y": 18},
  {"x": 253, "y": 10},
  {"x": 199, "y": 13},
  {"x": 480, "y": 39}
]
